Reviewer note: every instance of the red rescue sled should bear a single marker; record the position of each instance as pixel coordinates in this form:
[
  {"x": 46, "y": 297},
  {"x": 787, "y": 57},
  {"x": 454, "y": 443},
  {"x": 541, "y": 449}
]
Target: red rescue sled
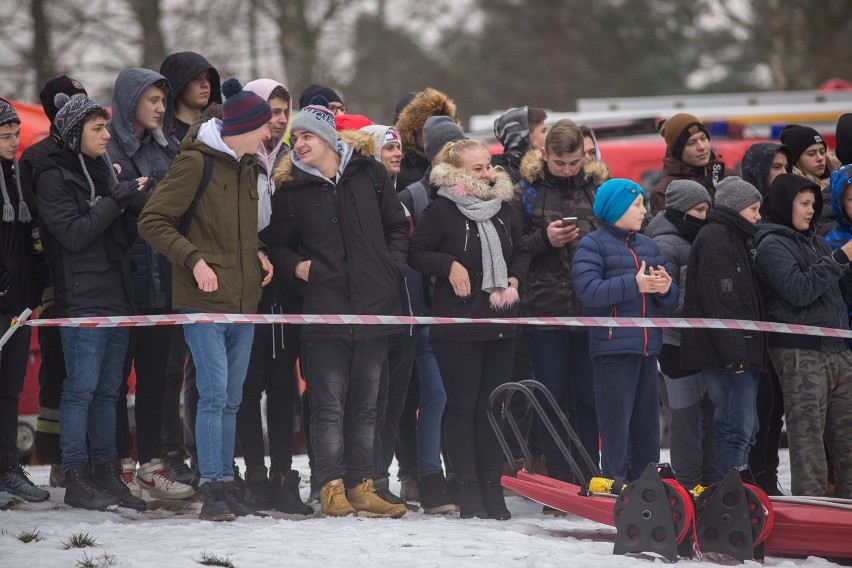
[{"x": 802, "y": 527}]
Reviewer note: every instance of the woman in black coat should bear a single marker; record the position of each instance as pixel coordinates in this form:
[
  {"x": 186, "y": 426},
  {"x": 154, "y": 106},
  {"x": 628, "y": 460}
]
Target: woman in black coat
[{"x": 469, "y": 241}]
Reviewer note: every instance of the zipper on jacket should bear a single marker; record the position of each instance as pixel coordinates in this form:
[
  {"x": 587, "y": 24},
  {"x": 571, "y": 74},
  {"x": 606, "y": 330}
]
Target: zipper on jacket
[
  {"x": 508, "y": 235},
  {"x": 638, "y": 266},
  {"x": 466, "y": 233},
  {"x": 612, "y": 314}
]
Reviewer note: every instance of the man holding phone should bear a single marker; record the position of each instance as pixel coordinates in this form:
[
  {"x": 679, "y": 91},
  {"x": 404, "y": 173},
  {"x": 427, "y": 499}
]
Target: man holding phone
[{"x": 554, "y": 199}]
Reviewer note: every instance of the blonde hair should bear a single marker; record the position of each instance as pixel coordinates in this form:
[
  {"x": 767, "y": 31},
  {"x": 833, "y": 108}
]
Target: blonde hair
[{"x": 452, "y": 151}]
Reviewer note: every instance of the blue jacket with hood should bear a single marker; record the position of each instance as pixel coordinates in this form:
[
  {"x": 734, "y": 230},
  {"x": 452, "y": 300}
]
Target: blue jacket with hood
[
  {"x": 604, "y": 274},
  {"x": 131, "y": 158}
]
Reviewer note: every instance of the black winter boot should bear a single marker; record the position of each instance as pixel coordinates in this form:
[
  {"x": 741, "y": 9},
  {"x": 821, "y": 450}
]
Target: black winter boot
[
  {"x": 257, "y": 492},
  {"x": 214, "y": 507},
  {"x": 234, "y": 499},
  {"x": 284, "y": 494},
  {"x": 470, "y": 498},
  {"x": 492, "y": 497},
  {"x": 432, "y": 497},
  {"x": 80, "y": 492},
  {"x": 107, "y": 476}
]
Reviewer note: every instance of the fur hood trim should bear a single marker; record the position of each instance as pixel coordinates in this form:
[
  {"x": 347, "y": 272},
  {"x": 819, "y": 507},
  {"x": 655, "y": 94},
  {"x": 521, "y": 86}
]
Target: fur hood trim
[
  {"x": 532, "y": 169},
  {"x": 462, "y": 183},
  {"x": 428, "y": 102},
  {"x": 360, "y": 141}
]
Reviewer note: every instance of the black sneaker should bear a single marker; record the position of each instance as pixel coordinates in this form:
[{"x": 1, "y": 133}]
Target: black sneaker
[
  {"x": 215, "y": 508},
  {"x": 176, "y": 466},
  {"x": 107, "y": 477},
  {"x": 233, "y": 498},
  {"x": 284, "y": 492},
  {"x": 383, "y": 490},
  {"x": 16, "y": 482},
  {"x": 80, "y": 492}
]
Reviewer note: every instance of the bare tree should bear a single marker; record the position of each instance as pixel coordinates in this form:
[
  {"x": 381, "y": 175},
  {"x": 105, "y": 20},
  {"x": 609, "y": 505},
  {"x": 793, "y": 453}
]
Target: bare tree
[
  {"x": 300, "y": 25},
  {"x": 41, "y": 56},
  {"x": 148, "y": 14}
]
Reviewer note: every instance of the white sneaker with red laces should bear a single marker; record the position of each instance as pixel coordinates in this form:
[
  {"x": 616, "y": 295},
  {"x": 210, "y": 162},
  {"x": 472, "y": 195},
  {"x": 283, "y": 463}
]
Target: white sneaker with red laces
[
  {"x": 154, "y": 478},
  {"x": 128, "y": 477}
]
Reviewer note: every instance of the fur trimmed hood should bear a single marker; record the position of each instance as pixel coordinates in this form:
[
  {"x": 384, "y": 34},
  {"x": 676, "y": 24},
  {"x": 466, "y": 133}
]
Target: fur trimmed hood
[
  {"x": 462, "y": 183},
  {"x": 532, "y": 169},
  {"x": 360, "y": 142},
  {"x": 428, "y": 102}
]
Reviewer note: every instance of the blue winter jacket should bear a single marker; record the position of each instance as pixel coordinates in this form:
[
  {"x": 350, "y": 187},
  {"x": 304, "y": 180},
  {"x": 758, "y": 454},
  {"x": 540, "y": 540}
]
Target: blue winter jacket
[{"x": 604, "y": 274}]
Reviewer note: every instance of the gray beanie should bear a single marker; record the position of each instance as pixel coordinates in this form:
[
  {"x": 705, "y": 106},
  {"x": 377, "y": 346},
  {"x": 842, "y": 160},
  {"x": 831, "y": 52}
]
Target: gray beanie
[
  {"x": 318, "y": 120},
  {"x": 735, "y": 193},
  {"x": 437, "y": 131},
  {"x": 684, "y": 194},
  {"x": 382, "y": 135},
  {"x": 69, "y": 120}
]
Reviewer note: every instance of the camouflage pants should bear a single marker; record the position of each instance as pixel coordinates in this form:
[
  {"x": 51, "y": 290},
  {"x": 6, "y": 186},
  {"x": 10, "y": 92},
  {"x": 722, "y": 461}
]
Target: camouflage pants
[{"x": 817, "y": 403}]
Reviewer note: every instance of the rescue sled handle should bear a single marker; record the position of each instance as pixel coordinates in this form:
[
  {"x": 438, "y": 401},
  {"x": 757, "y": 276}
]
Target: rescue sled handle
[{"x": 527, "y": 388}]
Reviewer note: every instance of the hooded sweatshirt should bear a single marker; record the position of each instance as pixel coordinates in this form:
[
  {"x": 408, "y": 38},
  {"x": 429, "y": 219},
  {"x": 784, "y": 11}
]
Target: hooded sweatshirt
[
  {"x": 802, "y": 277},
  {"x": 756, "y": 164},
  {"x": 512, "y": 130},
  {"x": 180, "y": 68},
  {"x": 134, "y": 157},
  {"x": 266, "y": 158}
]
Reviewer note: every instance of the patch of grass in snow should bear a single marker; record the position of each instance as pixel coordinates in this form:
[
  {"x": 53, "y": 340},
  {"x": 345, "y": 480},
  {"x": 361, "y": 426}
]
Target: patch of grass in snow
[
  {"x": 105, "y": 560},
  {"x": 79, "y": 540},
  {"x": 29, "y": 536},
  {"x": 210, "y": 559}
]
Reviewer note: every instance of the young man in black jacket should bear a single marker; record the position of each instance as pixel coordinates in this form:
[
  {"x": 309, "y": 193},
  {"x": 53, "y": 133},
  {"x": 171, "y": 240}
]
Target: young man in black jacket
[
  {"x": 87, "y": 226},
  {"x": 338, "y": 227}
]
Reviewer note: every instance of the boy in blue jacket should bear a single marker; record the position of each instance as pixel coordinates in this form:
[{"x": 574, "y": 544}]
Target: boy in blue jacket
[{"x": 614, "y": 275}]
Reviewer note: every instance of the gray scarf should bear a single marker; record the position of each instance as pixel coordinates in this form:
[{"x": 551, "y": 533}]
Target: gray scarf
[
  {"x": 495, "y": 275},
  {"x": 8, "y": 210}
]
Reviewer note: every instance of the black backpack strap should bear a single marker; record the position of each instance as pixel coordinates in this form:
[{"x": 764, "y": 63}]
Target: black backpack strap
[{"x": 199, "y": 193}]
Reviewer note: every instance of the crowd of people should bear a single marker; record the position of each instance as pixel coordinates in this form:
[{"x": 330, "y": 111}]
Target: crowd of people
[{"x": 195, "y": 195}]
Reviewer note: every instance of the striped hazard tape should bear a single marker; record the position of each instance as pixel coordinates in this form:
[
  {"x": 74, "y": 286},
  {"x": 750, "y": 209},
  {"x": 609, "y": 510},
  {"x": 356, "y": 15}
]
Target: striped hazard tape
[{"x": 330, "y": 319}]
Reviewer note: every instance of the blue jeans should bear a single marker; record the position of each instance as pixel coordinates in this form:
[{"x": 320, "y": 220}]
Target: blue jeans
[
  {"x": 94, "y": 360},
  {"x": 735, "y": 417},
  {"x": 561, "y": 362},
  {"x": 343, "y": 385},
  {"x": 221, "y": 354},
  {"x": 433, "y": 399}
]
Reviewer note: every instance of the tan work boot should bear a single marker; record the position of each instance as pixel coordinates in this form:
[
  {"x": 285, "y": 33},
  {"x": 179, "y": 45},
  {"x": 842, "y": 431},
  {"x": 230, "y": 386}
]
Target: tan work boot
[
  {"x": 368, "y": 504},
  {"x": 333, "y": 500}
]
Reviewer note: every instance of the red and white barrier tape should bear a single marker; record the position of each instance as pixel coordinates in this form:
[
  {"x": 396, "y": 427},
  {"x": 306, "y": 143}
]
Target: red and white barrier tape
[{"x": 328, "y": 319}]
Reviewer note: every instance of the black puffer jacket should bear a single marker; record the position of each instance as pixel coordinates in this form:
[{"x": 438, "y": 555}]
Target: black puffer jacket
[
  {"x": 805, "y": 283},
  {"x": 445, "y": 235},
  {"x": 87, "y": 248},
  {"x": 354, "y": 233},
  {"x": 723, "y": 284}
]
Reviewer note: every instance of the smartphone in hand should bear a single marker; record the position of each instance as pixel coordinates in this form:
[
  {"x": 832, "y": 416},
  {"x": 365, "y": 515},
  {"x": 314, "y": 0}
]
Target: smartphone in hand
[{"x": 568, "y": 221}]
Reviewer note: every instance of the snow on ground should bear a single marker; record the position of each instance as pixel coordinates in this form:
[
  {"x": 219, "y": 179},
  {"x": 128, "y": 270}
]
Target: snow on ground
[{"x": 178, "y": 539}]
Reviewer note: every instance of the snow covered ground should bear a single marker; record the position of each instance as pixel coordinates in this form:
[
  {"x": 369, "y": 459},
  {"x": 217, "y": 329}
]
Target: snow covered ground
[{"x": 165, "y": 538}]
